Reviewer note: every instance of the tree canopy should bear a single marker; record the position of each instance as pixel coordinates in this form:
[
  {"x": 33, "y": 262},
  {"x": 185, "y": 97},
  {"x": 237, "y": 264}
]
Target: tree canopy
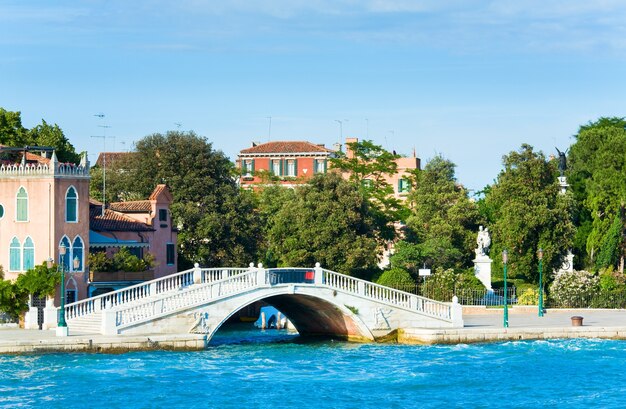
[
  {"x": 326, "y": 221},
  {"x": 12, "y": 133},
  {"x": 443, "y": 220},
  {"x": 529, "y": 213}
]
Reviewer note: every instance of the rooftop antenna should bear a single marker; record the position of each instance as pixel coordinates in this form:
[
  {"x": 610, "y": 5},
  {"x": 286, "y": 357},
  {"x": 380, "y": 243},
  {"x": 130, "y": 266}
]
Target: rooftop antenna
[
  {"x": 269, "y": 132},
  {"x": 341, "y": 128},
  {"x": 104, "y": 158},
  {"x": 178, "y": 125},
  {"x": 393, "y": 133}
]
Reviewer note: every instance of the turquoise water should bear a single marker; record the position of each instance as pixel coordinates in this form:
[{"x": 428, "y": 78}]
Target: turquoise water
[{"x": 259, "y": 370}]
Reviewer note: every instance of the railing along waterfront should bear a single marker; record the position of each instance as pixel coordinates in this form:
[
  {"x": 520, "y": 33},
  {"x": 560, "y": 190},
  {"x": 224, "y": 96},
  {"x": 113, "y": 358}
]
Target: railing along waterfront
[
  {"x": 387, "y": 295},
  {"x": 187, "y": 297},
  {"x": 152, "y": 288}
]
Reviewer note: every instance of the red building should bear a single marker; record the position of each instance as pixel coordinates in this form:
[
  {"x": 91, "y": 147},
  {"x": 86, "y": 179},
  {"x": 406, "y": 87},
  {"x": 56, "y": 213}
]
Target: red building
[{"x": 292, "y": 162}]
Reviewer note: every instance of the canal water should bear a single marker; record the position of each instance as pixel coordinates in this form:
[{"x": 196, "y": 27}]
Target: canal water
[{"x": 254, "y": 369}]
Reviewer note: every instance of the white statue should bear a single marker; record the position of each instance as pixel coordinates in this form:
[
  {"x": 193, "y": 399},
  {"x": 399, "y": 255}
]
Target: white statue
[{"x": 483, "y": 240}]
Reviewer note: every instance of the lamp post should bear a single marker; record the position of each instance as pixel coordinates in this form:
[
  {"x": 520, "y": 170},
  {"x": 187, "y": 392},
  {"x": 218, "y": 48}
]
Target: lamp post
[
  {"x": 62, "y": 323},
  {"x": 540, "y": 256},
  {"x": 505, "y": 259}
]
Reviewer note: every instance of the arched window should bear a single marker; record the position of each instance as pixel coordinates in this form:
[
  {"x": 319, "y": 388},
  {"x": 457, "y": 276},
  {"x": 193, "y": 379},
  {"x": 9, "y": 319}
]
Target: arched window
[
  {"x": 15, "y": 255},
  {"x": 71, "y": 205},
  {"x": 68, "y": 253},
  {"x": 28, "y": 254},
  {"x": 78, "y": 254},
  {"x": 21, "y": 205}
]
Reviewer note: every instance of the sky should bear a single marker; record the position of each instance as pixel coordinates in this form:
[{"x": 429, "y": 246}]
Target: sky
[{"x": 471, "y": 80}]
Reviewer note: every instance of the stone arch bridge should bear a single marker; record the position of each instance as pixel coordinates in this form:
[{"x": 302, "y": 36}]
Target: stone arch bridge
[{"x": 317, "y": 301}]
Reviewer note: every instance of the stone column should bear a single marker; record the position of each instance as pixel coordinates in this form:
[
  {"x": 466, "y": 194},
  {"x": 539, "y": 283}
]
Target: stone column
[{"x": 482, "y": 270}]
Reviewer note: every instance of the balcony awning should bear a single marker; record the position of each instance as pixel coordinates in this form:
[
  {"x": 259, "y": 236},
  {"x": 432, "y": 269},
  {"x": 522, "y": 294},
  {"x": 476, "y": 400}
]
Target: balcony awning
[{"x": 98, "y": 240}]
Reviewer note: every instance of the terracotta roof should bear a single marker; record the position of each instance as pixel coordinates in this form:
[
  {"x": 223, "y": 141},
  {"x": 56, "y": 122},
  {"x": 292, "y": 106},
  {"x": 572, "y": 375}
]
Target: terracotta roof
[
  {"x": 161, "y": 190},
  {"x": 31, "y": 157},
  {"x": 287, "y": 147},
  {"x": 112, "y": 157},
  {"x": 113, "y": 221},
  {"x": 135, "y": 206}
]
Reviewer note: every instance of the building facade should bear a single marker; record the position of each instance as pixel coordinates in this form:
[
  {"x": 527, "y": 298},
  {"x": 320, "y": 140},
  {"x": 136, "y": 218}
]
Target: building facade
[
  {"x": 286, "y": 162},
  {"x": 44, "y": 204}
]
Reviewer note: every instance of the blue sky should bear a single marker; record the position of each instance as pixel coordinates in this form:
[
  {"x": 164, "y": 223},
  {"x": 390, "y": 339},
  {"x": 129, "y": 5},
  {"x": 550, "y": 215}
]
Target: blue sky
[{"x": 471, "y": 80}]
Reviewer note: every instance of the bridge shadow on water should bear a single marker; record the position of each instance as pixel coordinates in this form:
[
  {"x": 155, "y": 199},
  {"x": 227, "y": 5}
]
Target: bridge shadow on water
[{"x": 245, "y": 333}]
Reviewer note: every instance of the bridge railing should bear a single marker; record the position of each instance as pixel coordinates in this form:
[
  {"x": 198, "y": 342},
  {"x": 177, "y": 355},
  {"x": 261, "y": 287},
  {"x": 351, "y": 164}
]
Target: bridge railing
[
  {"x": 240, "y": 280},
  {"x": 387, "y": 295},
  {"x": 138, "y": 292}
]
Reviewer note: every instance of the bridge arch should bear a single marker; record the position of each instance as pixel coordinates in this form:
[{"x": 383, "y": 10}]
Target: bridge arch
[{"x": 312, "y": 315}]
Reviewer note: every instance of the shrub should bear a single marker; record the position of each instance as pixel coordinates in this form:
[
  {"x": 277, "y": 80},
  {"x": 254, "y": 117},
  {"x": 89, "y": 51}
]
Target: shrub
[
  {"x": 530, "y": 296},
  {"x": 574, "y": 289},
  {"x": 121, "y": 261},
  {"x": 396, "y": 278}
]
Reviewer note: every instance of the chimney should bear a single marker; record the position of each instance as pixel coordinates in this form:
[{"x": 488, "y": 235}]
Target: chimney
[{"x": 349, "y": 153}]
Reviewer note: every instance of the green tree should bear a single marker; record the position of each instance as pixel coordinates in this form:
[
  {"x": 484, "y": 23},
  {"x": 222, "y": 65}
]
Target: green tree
[
  {"x": 443, "y": 220},
  {"x": 367, "y": 167},
  {"x": 610, "y": 250},
  {"x": 327, "y": 221},
  {"x": 217, "y": 222},
  {"x": 12, "y": 133},
  {"x": 597, "y": 174},
  {"x": 529, "y": 213},
  {"x": 45, "y": 134}
]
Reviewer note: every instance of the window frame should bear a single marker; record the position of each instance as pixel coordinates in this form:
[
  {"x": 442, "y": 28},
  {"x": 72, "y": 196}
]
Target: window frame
[
  {"x": 75, "y": 198},
  {"x": 23, "y": 204}
]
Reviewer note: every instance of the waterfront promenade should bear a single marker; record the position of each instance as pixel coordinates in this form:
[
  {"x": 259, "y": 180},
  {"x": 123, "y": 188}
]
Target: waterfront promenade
[{"x": 481, "y": 325}]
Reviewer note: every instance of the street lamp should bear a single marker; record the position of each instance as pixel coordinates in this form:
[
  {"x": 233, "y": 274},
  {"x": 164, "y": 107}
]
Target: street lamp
[
  {"x": 540, "y": 256},
  {"x": 505, "y": 259},
  {"x": 62, "y": 324}
]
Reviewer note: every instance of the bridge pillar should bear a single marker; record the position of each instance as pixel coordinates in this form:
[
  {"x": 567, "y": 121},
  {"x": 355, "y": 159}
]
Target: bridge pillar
[
  {"x": 456, "y": 312},
  {"x": 109, "y": 321},
  {"x": 319, "y": 274},
  {"x": 197, "y": 274},
  {"x": 260, "y": 275}
]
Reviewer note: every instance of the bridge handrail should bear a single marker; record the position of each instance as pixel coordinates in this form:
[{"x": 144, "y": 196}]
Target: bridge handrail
[
  {"x": 129, "y": 314},
  {"x": 147, "y": 289},
  {"x": 389, "y": 295}
]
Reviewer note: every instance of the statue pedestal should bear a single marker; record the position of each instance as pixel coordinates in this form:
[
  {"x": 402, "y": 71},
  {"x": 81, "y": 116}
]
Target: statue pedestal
[{"x": 482, "y": 270}]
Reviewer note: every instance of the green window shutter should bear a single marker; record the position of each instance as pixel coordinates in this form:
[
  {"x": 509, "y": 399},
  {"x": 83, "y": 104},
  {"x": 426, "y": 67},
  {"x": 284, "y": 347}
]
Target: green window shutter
[
  {"x": 282, "y": 166},
  {"x": 314, "y": 166},
  {"x": 15, "y": 260},
  {"x": 22, "y": 205},
  {"x": 252, "y": 168},
  {"x": 295, "y": 167}
]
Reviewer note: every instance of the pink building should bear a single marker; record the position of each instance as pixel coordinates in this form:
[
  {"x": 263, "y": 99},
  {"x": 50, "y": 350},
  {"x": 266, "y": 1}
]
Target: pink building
[
  {"x": 140, "y": 226},
  {"x": 43, "y": 204}
]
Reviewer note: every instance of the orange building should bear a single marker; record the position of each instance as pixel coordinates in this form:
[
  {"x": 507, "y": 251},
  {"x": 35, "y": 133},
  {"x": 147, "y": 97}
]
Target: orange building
[{"x": 292, "y": 162}]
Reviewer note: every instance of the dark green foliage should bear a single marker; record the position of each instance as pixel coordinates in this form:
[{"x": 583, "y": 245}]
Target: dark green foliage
[
  {"x": 12, "y": 133},
  {"x": 13, "y": 299},
  {"x": 443, "y": 221},
  {"x": 396, "y": 277},
  {"x": 40, "y": 280},
  {"x": 597, "y": 175},
  {"x": 529, "y": 213},
  {"x": 123, "y": 260},
  {"x": 611, "y": 244},
  {"x": 327, "y": 221}
]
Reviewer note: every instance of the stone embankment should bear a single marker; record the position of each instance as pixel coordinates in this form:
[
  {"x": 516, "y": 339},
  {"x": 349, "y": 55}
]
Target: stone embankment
[{"x": 481, "y": 325}]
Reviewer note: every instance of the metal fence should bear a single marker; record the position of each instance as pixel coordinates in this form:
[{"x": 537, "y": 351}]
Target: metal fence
[
  {"x": 465, "y": 296},
  {"x": 602, "y": 299}
]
